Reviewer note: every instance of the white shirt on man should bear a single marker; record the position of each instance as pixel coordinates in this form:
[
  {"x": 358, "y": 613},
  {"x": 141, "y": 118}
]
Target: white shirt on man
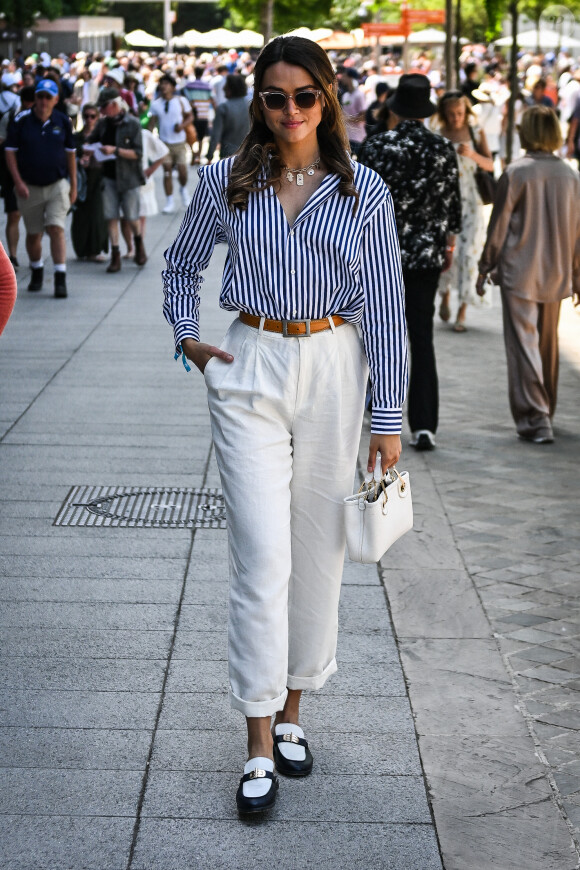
[{"x": 168, "y": 114}]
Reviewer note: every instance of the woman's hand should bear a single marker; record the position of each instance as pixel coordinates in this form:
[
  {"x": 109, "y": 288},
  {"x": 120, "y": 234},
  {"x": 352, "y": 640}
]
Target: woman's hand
[
  {"x": 466, "y": 151},
  {"x": 108, "y": 149},
  {"x": 200, "y": 353},
  {"x": 389, "y": 446}
]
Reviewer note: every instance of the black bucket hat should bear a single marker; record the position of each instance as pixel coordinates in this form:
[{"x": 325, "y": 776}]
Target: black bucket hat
[{"x": 411, "y": 99}]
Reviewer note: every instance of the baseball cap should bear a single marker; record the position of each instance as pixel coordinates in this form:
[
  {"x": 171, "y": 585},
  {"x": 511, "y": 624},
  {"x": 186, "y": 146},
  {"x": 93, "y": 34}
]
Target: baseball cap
[
  {"x": 48, "y": 86},
  {"x": 9, "y": 80}
]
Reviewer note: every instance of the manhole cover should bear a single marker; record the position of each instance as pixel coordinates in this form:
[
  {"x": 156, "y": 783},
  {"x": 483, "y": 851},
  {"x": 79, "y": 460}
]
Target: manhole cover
[{"x": 143, "y": 507}]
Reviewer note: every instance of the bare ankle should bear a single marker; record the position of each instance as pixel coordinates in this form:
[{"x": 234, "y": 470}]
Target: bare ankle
[
  {"x": 290, "y": 716},
  {"x": 260, "y": 749}
]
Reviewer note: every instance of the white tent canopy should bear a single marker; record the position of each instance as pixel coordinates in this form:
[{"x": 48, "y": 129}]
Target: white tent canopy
[
  {"x": 314, "y": 35},
  {"x": 220, "y": 38},
  {"x": 429, "y": 36},
  {"x": 141, "y": 39},
  {"x": 189, "y": 38},
  {"x": 249, "y": 39},
  {"x": 545, "y": 39}
]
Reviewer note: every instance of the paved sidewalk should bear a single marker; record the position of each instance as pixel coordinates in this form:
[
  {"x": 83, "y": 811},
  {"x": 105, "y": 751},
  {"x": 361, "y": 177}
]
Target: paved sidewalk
[{"x": 450, "y": 736}]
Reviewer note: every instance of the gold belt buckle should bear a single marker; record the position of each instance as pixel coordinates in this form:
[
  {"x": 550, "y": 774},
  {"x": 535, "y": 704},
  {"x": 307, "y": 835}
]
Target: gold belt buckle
[{"x": 285, "y": 327}]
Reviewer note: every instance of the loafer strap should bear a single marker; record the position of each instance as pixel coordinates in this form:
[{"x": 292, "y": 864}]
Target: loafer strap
[
  {"x": 291, "y": 738},
  {"x": 257, "y": 773}
]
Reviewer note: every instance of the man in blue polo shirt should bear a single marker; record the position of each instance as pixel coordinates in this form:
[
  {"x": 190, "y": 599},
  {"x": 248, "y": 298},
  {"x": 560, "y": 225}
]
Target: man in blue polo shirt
[{"x": 40, "y": 154}]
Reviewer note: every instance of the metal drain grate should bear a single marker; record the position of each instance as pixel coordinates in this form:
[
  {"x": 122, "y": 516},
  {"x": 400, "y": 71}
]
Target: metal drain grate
[{"x": 143, "y": 508}]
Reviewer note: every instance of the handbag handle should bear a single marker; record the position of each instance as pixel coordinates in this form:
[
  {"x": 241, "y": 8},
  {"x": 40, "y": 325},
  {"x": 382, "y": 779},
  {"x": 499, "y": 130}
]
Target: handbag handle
[
  {"x": 474, "y": 140},
  {"x": 373, "y": 485},
  {"x": 401, "y": 481}
]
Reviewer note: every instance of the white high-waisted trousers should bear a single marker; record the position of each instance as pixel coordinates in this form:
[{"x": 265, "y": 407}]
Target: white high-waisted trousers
[{"x": 286, "y": 420}]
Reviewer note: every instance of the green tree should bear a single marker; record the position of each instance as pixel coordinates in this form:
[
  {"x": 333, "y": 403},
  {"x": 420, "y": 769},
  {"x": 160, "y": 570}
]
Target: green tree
[
  {"x": 497, "y": 10},
  {"x": 252, "y": 14},
  {"x": 22, "y": 13}
]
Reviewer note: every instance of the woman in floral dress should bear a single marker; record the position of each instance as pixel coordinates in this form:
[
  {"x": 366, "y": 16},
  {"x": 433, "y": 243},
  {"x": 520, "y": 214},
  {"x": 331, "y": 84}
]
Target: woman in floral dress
[{"x": 456, "y": 121}]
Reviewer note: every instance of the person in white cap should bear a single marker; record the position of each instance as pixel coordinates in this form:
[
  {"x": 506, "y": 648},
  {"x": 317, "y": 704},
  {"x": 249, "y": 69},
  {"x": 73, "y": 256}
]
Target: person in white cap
[{"x": 8, "y": 99}]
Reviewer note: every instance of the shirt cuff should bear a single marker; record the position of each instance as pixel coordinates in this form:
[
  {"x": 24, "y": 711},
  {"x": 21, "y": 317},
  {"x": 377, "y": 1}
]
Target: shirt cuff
[
  {"x": 387, "y": 421},
  {"x": 185, "y": 329}
]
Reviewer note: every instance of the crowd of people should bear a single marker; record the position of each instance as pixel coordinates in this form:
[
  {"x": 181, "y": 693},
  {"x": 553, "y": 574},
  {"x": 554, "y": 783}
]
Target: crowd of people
[{"x": 117, "y": 118}]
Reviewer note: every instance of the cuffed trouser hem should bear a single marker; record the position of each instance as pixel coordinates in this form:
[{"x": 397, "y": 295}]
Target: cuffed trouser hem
[
  {"x": 256, "y": 709},
  {"x": 316, "y": 682}
]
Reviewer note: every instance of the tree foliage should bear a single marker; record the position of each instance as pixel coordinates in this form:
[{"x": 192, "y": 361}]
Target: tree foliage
[
  {"x": 23, "y": 13},
  {"x": 287, "y": 14},
  {"x": 497, "y": 10}
]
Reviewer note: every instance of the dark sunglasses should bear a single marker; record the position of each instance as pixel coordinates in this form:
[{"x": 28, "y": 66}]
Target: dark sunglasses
[
  {"x": 275, "y": 101},
  {"x": 90, "y": 117}
]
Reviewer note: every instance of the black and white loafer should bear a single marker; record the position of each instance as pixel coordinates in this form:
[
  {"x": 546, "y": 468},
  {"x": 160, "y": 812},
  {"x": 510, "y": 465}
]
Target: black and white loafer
[
  {"x": 258, "y": 786},
  {"x": 291, "y": 752}
]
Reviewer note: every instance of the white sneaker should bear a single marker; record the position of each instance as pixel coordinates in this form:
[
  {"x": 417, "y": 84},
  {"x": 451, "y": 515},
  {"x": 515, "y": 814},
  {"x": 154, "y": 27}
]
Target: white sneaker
[
  {"x": 422, "y": 439},
  {"x": 169, "y": 207},
  {"x": 184, "y": 197}
]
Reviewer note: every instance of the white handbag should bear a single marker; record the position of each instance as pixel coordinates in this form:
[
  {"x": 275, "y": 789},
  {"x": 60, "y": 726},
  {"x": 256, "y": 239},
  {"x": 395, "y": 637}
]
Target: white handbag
[{"x": 378, "y": 515}]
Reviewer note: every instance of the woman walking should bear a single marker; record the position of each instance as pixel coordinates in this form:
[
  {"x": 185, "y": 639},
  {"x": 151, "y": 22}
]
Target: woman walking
[
  {"x": 313, "y": 255},
  {"x": 533, "y": 253},
  {"x": 88, "y": 227},
  {"x": 456, "y": 121}
]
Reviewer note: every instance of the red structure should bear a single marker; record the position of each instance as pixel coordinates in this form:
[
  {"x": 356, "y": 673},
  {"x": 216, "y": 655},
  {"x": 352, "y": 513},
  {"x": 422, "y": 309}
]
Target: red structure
[{"x": 408, "y": 18}]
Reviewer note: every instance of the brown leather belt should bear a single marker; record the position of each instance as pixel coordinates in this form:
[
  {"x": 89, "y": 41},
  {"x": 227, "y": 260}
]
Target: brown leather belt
[{"x": 291, "y": 327}]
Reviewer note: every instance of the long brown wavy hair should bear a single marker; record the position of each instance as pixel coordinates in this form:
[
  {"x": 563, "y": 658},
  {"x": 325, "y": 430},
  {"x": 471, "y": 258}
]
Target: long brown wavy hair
[{"x": 257, "y": 164}]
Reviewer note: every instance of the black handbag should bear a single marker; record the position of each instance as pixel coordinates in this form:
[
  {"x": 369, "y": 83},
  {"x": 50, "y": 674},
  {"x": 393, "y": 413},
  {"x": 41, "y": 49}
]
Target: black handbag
[{"x": 486, "y": 183}]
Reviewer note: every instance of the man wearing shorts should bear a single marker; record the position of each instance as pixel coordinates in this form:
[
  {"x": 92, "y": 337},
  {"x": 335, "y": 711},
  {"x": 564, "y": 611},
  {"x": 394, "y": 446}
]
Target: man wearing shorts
[
  {"x": 40, "y": 156},
  {"x": 118, "y": 135},
  {"x": 172, "y": 114}
]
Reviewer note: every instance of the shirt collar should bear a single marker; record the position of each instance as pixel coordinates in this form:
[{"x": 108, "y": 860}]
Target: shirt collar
[
  {"x": 327, "y": 188},
  {"x": 410, "y": 122},
  {"x": 541, "y": 154}
]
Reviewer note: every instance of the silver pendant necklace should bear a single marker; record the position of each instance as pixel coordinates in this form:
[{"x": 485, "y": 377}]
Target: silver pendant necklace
[{"x": 299, "y": 173}]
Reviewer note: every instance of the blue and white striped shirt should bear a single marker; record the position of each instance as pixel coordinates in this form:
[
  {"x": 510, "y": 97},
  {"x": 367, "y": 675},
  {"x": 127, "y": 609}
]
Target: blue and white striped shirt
[{"x": 330, "y": 261}]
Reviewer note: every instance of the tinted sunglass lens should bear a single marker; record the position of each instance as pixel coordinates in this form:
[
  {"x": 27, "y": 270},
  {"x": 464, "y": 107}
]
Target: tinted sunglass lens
[
  {"x": 305, "y": 99},
  {"x": 275, "y": 102}
]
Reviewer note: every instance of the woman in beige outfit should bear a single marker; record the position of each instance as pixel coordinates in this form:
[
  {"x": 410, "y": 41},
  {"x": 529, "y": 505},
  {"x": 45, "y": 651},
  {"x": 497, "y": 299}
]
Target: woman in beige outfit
[{"x": 533, "y": 253}]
